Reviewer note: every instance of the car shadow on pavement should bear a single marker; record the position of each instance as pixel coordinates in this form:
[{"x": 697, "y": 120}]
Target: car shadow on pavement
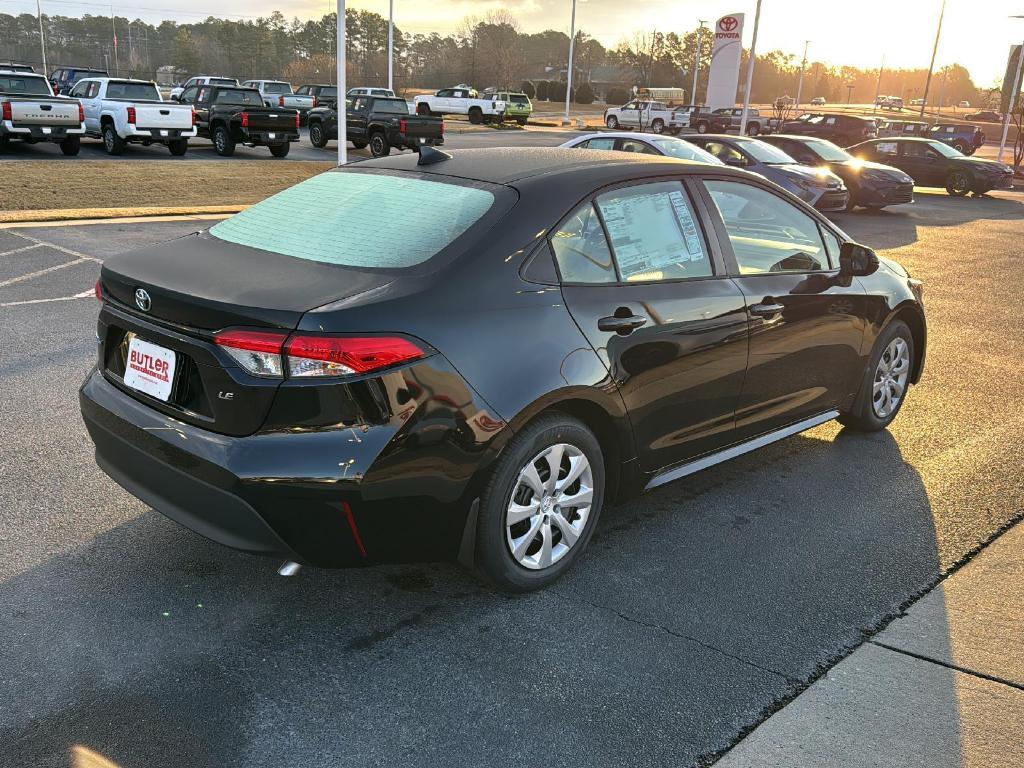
[{"x": 700, "y": 609}]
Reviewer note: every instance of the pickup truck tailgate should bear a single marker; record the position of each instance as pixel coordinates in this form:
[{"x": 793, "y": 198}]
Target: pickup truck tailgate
[
  {"x": 283, "y": 120},
  {"x": 62, "y": 112},
  {"x": 416, "y": 127},
  {"x": 158, "y": 115}
]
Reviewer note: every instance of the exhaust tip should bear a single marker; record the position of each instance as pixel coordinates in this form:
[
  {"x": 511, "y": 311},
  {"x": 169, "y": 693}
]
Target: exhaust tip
[{"x": 289, "y": 568}]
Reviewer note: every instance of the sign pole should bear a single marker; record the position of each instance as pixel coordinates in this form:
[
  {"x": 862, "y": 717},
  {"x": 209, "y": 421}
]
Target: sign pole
[
  {"x": 391, "y": 44},
  {"x": 696, "y": 59},
  {"x": 800, "y": 83},
  {"x": 750, "y": 71},
  {"x": 342, "y": 106},
  {"x": 935, "y": 49},
  {"x": 1014, "y": 90},
  {"x": 568, "y": 72}
]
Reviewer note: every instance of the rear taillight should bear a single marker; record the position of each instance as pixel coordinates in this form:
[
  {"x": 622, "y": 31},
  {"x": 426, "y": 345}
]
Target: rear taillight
[
  {"x": 316, "y": 102},
  {"x": 98, "y": 290},
  {"x": 8, "y": 115},
  {"x": 298, "y": 121},
  {"x": 403, "y": 126},
  {"x": 194, "y": 119},
  {"x": 81, "y": 113},
  {"x": 245, "y": 119},
  {"x": 258, "y": 352},
  {"x": 302, "y": 355},
  {"x": 310, "y": 355},
  {"x": 131, "y": 115},
  {"x": 280, "y": 101}
]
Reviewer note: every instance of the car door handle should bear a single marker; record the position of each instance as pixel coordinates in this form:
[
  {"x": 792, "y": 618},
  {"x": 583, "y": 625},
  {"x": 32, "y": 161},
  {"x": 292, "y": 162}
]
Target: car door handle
[
  {"x": 623, "y": 325},
  {"x": 767, "y": 309}
]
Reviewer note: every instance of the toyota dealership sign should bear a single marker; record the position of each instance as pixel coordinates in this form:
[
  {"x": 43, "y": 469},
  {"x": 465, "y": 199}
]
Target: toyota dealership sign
[{"x": 724, "y": 77}]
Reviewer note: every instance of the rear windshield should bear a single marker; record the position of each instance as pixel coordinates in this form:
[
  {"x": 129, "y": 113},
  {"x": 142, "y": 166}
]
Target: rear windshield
[
  {"x": 32, "y": 86},
  {"x": 391, "y": 106},
  {"x": 123, "y": 90},
  {"x": 222, "y": 81},
  {"x": 335, "y": 218},
  {"x": 239, "y": 96},
  {"x": 277, "y": 88},
  {"x": 518, "y": 99},
  {"x": 329, "y": 93}
]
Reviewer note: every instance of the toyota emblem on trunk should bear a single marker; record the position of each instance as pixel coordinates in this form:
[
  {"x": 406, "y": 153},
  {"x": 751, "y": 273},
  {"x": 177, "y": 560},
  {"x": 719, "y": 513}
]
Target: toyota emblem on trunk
[{"x": 142, "y": 300}]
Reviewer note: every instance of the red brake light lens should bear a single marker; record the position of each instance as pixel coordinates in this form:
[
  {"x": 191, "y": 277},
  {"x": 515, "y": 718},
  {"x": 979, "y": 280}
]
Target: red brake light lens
[
  {"x": 81, "y": 113},
  {"x": 316, "y": 102},
  {"x": 403, "y": 126},
  {"x": 131, "y": 115},
  {"x": 98, "y": 290},
  {"x": 258, "y": 352},
  {"x": 310, "y": 355},
  {"x": 245, "y": 119},
  {"x": 8, "y": 115},
  {"x": 194, "y": 118},
  {"x": 298, "y": 120},
  {"x": 280, "y": 101}
]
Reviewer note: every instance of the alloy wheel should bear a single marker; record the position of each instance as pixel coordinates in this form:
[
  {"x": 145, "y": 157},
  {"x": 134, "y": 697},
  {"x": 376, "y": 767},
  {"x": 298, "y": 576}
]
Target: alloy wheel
[
  {"x": 959, "y": 183},
  {"x": 550, "y": 505},
  {"x": 890, "y": 380}
]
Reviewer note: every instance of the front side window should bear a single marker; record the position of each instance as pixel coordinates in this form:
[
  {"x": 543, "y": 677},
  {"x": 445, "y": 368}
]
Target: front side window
[
  {"x": 602, "y": 143},
  {"x": 632, "y": 145},
  {"x": 581, "y": 248},
  {"x": 886, "y": 148},
  {"x": 768, "y": 234},
  {"x": 726, "y": 153},
  {"x": 654, "y": 233},
  {"x": 79, "y": 90},
  {"x": 425, "y": 218}
]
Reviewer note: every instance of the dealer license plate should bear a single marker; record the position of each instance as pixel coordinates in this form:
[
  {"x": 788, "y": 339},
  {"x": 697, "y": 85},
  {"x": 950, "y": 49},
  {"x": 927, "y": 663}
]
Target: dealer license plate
[{"x": 150, "y": 368}]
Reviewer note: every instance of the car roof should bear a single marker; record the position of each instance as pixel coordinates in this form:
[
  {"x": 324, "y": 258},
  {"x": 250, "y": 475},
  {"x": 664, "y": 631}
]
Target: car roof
[
  {"x": 623, "y": 135},
  {"x": 507, "y": 165}
]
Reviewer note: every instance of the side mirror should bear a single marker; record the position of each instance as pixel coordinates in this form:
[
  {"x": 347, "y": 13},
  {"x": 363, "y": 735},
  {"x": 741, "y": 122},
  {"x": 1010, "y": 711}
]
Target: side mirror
[{"x": 857, "y": 260}]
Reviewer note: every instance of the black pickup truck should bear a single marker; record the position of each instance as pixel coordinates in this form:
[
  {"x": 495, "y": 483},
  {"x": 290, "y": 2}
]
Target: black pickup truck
[
  {"x": 230, "y": 115},
  {"x": 381, "y": 122}
]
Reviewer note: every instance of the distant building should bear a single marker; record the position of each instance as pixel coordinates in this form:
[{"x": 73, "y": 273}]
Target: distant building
[{"x": 170, "y": 75}]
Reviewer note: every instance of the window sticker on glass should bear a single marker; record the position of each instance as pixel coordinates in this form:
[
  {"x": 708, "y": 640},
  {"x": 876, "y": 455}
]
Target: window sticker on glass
[{"x": 654, "y": 233}]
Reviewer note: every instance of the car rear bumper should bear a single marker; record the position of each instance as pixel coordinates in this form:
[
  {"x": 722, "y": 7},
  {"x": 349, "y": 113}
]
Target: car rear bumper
[
  {"x": 159, "y": 134},
  {"x": 41, "y": 132},
  {"x": 392, "y": 490}
]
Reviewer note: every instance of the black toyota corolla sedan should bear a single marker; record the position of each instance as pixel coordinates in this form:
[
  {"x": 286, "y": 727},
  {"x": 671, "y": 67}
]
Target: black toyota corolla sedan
[
  {"x": 468, "y": 356},
  {"x": 871, "y": 185}
]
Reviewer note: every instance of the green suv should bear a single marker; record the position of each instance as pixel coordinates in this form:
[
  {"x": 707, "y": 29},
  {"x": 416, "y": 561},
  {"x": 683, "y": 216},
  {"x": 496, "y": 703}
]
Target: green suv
[{"x": 517, "y": 105}]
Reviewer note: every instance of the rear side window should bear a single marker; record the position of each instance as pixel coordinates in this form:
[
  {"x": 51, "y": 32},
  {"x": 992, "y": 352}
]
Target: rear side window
[
  {"x": 601, "y": 143},
  {"x": 335, "y": 218},
  {"x": 581, "y": 249}
]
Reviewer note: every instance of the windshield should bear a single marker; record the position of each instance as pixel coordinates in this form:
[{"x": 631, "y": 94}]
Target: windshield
[
  {"x": 240, "y": 96},
  {"x": 119, "y": 89},
  {"x": 829, "y": 152},
  {"x": 944, "y": 149},
  {"x": 30, "y": 86},
  {"x": 684, "y": 150},
  {"x": 765, "y": 153},
  {"x": 391, "y": 106},
  {"x": 338, "y": 228},
  {"x": 277, "y": 88}
]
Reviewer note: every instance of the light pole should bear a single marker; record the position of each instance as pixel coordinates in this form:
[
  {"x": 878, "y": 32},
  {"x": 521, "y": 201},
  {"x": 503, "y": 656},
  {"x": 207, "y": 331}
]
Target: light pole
[
  {"x": 342, "y": 108},
  {"x": 1012, "y": 104},
  {"x": 391, "y": 45},
  {"x": 696, "y": 59},
  {"x": 113, "y": 27},
  {"x": 750, "y": 70},
  {"x": 878, "y": 85},
  {"x": 935, "y": 49},
  {"x": 42, "y": 37},
  {"x": 572, "y": 51},
  {"x": 800, "y": 83}
]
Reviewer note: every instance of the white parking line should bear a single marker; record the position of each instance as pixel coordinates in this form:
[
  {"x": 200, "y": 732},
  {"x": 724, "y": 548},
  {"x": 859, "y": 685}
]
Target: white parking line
[
  {"x": 54, "y": 268},
  {"x": 82, "y": 295},
  {"x": 56, "y": 247},
  {"x": 22, "y": 249}
]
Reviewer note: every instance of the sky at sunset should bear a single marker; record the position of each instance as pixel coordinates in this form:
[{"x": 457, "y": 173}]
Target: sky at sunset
[{"x": 976, "y": 33}]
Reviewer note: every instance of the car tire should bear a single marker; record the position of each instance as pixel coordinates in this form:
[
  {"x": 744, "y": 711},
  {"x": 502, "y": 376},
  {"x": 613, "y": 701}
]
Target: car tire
[
  {"x": 280, "y": 150},
  {"x": 178, "y": 147},
  {"x": 658, "y": 125},
  {"x": 222, "y": 141},
  {"x": 71, "y": 146},
  {"x": 476, "y": 115},
  {"x": 5, "y": 143},
  {"x": 875, "y": 410},
  {"x": 379, "y": 146},
  {"x": 612, "y": 122},
  {"x": 962, "y": 148},
  {"x": 317, "y": 134},
  {"x": 702, "y": 127},
  {"x": 113, "y": 143},
  {"x": 510, "y": 491},
  {"x": 753, "y": 129},
  {"x": 522, "y": 120},
  {"x": 359, "y": 144},
  {"x": 958, "y": 183}
]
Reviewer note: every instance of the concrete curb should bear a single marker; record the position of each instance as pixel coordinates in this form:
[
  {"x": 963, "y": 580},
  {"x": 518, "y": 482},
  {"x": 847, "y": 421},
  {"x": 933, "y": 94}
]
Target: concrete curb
[{"x": 73, "y": 214}]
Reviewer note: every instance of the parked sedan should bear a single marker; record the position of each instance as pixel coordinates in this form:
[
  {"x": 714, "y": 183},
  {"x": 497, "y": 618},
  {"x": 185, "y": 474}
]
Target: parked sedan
[
  {"x": 934, "y": 164},
  {"x": 564, "y": 329},
  {"x": 985, "y": 116},
  {"x": 645, "y": 144},
  {"x": 821, "y": 188},
  {"x": 871, "y": 185}
]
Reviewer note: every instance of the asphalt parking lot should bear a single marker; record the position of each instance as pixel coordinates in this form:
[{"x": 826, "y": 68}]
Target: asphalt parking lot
[{"x": 699, "y": 609}]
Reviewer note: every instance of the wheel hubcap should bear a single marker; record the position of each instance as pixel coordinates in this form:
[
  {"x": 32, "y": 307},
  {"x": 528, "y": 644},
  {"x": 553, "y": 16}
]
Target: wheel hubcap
[
  {"x": 890, "y": 380},
  {"x": 550, "y": 506}
]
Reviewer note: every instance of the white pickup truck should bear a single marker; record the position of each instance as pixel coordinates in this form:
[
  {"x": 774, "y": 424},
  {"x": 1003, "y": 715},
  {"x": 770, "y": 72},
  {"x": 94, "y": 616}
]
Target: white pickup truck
[
  {"x": 131, "y": 111},
  {"x": 277, "y": 93},
  {"x": 653, "y": 116},
  {"x": 29, "y": 112},
  {"x": 460, "y": 100},
  {"x": 200, "y": 80}
]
